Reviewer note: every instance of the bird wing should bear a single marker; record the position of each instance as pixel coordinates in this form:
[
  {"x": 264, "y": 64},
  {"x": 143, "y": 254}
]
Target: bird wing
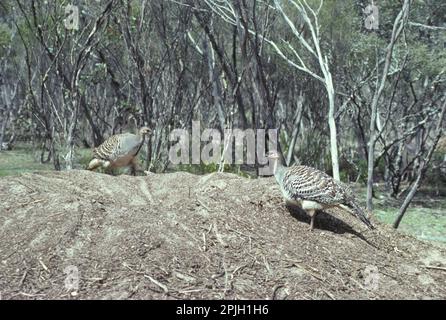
[
  {"x": 131, "y": 144},
  {"x": 118, "y": 146},
  {"x": 306, "y": 183}
]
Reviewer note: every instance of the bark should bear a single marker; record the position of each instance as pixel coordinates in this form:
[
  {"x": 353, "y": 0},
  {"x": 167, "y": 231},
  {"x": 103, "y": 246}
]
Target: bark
[
  {"x": 296, "y": 129},
  {"x": 333, "y": 130},
  {"x": 3, "y": 130}
]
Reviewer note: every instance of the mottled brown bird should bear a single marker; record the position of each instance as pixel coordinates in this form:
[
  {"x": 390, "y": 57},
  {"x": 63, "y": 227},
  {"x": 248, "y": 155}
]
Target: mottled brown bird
[
  {"x": 313, "y": 190},
  {"x": 119, "y": 150}
]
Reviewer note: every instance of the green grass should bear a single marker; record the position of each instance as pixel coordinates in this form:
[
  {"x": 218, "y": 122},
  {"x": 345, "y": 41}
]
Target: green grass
[
  {"x": 425, "y": 218},
  {"x": 21, "y": 160},
  {"x": 424, "y": 223}
]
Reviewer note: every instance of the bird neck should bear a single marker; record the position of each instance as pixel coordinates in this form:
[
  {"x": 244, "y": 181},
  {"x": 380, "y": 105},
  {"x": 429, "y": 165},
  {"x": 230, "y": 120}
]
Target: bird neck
[{"x": 141, "y": 136}]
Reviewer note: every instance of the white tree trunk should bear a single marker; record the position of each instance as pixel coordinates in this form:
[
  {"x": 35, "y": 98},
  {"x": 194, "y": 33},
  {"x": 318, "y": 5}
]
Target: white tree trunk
[
  {"x": 297, "y": 120},
  {"x": 333, "y": 131}
]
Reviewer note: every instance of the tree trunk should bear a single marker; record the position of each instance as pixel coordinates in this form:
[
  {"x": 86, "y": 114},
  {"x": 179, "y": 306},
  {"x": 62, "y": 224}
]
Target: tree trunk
[
  {"x": 333, "y": 131},
  {"x": 296, "y": 129},
  {"x": 3, "y": 130},
  {"x": 214, "y": 78},
  {"x": 69, "y": 158},
  {"x": 398, "y": 26},
  {"x": 422, "y": 169}
]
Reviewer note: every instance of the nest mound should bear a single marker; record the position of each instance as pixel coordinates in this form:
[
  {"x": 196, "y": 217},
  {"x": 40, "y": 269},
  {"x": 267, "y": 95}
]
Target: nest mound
[{"x": 178, "y": 235}]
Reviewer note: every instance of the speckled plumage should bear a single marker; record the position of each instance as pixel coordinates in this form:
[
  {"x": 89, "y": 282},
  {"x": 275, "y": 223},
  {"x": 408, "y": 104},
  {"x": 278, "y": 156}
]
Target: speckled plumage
[
  {"x": 118, "y": 146},
  {"x": 314, "y": 190},
  {"x": 118, "y": 150},
  {"x": 306, "y": 183}
]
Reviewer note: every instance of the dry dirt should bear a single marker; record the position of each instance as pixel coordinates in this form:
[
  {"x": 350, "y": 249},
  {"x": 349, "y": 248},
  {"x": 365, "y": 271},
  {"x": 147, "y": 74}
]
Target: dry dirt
[{"x": 174, "y": 236}]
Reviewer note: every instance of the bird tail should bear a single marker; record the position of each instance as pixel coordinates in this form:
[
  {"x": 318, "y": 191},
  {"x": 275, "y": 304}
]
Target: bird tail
[
  {"x": 95, "y": 163},
  {"x": 360, "y": 214}
]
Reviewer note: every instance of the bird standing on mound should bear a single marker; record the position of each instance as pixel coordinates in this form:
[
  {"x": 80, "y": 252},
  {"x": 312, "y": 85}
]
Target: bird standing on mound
[
  {"x": 314, "y": 190},
  {"x": 119, "y": 150}
]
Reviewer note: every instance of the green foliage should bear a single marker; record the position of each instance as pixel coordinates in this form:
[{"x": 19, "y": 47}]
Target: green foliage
[
  {"x": 83, "y": 157},
  {"x": 5, "y": 39},
  {"x": 363, "y": 50},
  {"x": 362, "y": 167},
  {"x": 340, "y": 24},
  {"x": 313, "y": 151},
  {"x": 426, "y": 61}
]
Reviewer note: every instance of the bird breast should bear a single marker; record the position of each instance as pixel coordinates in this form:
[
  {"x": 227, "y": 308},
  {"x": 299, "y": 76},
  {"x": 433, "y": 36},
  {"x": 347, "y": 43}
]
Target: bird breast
[{"x": 122, "y": 161}]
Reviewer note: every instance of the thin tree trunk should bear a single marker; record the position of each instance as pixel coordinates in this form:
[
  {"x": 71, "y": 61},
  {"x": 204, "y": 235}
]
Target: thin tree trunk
[
  {"x": 398, "y": 26},
  {"x": 3, "y": 130},
  {"x": 69, "y": 158},
  {"x": 422, "y": 169},
  {"x": 53, "y": 150},
  {"x": 332, "y": 126},
  {"x": 216, "y": 85},
  {"x": 226, "y": 69},
  {"x": 296, "y": 127}
]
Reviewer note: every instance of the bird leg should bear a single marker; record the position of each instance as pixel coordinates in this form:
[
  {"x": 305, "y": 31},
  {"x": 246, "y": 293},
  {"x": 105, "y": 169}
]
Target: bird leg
[
  {"x": 133, "y": 169},
  {"x": 311, "y": 207},
  {"x": 312, "y": 214},
  {"x": 133, "y": 166}
]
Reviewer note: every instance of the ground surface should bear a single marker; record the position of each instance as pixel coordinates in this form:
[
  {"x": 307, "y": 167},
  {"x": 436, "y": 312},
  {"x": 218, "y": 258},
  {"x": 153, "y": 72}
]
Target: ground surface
[
  {"x": 425, "y": 218},
  {"x": 178, "y": 235}
]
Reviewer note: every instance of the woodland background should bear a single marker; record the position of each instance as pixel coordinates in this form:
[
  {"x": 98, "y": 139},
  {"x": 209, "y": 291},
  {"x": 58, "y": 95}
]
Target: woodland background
[{"x": 364, "y": 104}]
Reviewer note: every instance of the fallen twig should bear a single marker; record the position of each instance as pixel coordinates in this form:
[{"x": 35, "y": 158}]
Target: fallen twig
[
  {"x": 31, "y": 295},
  {"x": 276, "y": 288},
  {"x": 159, "y": 284},
  {"x": 43, "y": 265},
  {"x": 435, "y": 268},
  {"x": 203, "y": 205},
  {"x": 31, "y": 202},
  {"x": 329, "y": 294},
  {"x": 22, "y": 280}
]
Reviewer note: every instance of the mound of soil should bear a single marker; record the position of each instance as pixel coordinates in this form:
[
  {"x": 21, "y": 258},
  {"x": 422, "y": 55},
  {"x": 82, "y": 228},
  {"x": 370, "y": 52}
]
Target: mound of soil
[{"x": 85, "y": 235}]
